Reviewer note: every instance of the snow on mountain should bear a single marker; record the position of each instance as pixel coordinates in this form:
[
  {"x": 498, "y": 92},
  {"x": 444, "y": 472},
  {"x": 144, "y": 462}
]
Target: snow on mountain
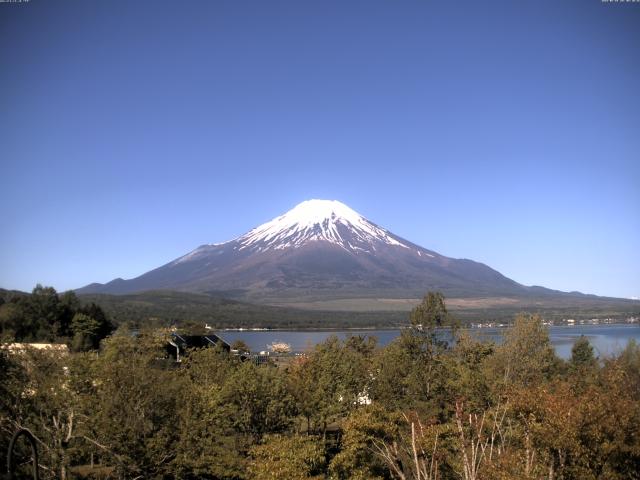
[
  {"x": 312, "y": 221},
  {"x": 317, "y": 220}
]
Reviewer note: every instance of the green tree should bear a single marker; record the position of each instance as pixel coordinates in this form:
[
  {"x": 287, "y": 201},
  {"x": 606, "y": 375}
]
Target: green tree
[
  {"x": 364, "y": 429},
  {"x": 42, "y": 396},
  {"x": 526, "y": 356},
  {"x": 466, "y": 375},
  {"x": 294, "y": 457},
  {"x": 582, "y": 354},
  {"x": 105, "y": 326},
  {"x": 12, "y": 322},
  {"x": 629, "y": 362},
  {"x": 260, "y": 400},
  {"x": 410, "y": 373},
  {"x": 208, "y": 445},
  {"x": 137, "y": 405},
  {"x": 12, "y": 387},
  {"x": 583, "y": 364},
  {"x": 68, "y": 305},
  {"x": 89, "y": 326},
  {"x": 431, "y": 313},
  {"x": 45, "y": 316},
  {"x": 85, "y": 332},
  {"x": 360, "y": 344},
  {"x": 333, "y": 380}
]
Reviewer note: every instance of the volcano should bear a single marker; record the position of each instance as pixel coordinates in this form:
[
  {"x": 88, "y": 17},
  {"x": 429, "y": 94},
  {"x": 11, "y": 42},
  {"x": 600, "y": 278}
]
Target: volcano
[{"x": 319, "y": 250}]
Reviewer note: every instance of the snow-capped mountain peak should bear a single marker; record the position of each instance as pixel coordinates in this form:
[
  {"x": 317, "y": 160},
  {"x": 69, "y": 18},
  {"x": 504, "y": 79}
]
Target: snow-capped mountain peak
[
  {"x": 319, "y": 249},
  {"x": 317, "y": 220}
]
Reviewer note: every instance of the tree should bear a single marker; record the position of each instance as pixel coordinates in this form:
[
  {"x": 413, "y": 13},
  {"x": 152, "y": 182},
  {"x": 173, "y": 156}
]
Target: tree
[
  {"x": 526, "y": 356},
  {"x": 583, "y": 364},
  {"x": 363, "y": 345},
  {"x": 431, "y": 313},
  {"x": 364, "y": 428},
  {"x": 466, "y": 367},
  {"x": 46, "y": 316},
  {"x": 68, "y": 305},
  {"x": 42, "y": 396},
  {"x": 410, "y": 373},
  {"x": 481, "y": 438},
  {"x": 12, "y": 322},
  {"x": 333, "y": 380},
  {"x": 137, "y": 401},
  {"x": 431, "y": 319},
  {"x": 629, "y": 362},
  {"x": 260, "y": 400},
  {"x": 582, "y": 356},
  {"x": 43, "y": 306},
  {"x": 240, "y": 345},
  {"x": 85, "y": 332},
  {"x": 294, "y": 457},
  {"x": 208, "y": 445},
  {"x": 105, "y": 326},
  {"x": 88, "y": 326}
]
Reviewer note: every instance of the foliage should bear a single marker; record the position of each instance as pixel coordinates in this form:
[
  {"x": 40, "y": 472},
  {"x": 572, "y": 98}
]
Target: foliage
[
  {"x": 45, "y": 316},
  {"x": 295, "y": 457},
  {"x": 582, "y": 356},
  {"x": 415, "y": 409},
  {"x": 410, "y": 372},
  {"x": 208, "y": 446},
  {"x": 260, "y": 400},
  {"x": 43, "y": 395},
  {"x": 363, "y": 429},
  {"x": 332, "y": 381},
  {"x": 431, "y": 313},
  {"x": 526, "y": 356},
  {"x": 240, "y": 345}
]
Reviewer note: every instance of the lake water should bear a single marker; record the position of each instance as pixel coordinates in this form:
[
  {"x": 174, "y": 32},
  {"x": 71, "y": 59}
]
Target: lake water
[{"x": 606, "y": 339}]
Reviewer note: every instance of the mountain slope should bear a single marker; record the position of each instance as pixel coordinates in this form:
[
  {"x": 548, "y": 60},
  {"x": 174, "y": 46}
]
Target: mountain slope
[{"x": 321, "y": 250}]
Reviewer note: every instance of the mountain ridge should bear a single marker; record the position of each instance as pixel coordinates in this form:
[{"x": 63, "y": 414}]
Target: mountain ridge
[{"x": 321, "y": 249}]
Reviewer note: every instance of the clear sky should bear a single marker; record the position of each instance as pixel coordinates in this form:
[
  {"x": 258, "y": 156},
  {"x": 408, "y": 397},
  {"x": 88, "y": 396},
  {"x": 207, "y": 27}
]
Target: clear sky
[{"x": 506, "y": 132}]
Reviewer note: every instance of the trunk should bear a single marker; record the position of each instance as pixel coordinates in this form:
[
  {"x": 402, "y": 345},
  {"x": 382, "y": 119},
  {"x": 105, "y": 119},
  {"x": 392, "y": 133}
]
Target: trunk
[{"x": 415, "y": 450}]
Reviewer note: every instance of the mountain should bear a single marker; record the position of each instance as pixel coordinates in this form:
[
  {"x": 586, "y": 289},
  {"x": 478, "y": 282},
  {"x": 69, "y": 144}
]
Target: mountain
[{"x": 321, "y": 250}]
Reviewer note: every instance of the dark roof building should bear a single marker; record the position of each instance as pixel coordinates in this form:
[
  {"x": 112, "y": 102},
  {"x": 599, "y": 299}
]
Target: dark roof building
[{"x": 179, "y": 343}]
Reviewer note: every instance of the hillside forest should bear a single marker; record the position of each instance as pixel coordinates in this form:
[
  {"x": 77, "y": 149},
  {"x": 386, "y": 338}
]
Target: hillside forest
[{"x": 424, "y": 407}]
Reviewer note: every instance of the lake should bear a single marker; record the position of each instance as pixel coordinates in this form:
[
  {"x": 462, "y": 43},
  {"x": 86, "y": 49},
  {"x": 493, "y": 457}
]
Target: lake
[{"x": 606, "y": 339}]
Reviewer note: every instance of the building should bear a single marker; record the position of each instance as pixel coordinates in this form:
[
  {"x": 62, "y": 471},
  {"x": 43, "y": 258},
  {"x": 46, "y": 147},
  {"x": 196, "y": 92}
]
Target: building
[{"x": 179, "y": 344}]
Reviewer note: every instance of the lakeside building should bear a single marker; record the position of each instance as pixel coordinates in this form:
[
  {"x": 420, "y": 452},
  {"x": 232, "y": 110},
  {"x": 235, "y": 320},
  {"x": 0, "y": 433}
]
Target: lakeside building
[{"x": 179, "y": 343}]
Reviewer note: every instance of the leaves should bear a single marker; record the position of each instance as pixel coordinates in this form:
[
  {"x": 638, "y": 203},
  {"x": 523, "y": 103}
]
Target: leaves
[
  {"x": 347, "y": 410},
  {"x": 294, "y": 457}
]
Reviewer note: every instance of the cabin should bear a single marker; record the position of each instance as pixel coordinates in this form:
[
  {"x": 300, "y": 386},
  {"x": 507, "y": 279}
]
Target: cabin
[{"x": 180, "y": 343}]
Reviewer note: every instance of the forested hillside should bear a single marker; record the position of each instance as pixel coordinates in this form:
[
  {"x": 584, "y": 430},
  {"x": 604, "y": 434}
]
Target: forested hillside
[
  {"x": 46, "y": 316},
  {"x": 417, "y": 409},
  {"x": 162, "y": 308}
]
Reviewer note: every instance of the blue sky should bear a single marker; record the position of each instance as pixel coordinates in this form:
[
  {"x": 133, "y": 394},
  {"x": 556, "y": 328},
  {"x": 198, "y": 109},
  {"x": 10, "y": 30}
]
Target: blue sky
[{"x": 505, "y": 132}]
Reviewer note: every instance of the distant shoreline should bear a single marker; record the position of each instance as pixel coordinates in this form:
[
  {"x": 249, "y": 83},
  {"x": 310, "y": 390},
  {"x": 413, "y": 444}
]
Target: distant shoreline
[{"x": 407, "y": 327}]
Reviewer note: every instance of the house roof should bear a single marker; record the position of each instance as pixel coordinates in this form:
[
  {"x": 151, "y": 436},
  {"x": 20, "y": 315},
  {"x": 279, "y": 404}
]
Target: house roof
[{"x": 197, "y": 341}]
